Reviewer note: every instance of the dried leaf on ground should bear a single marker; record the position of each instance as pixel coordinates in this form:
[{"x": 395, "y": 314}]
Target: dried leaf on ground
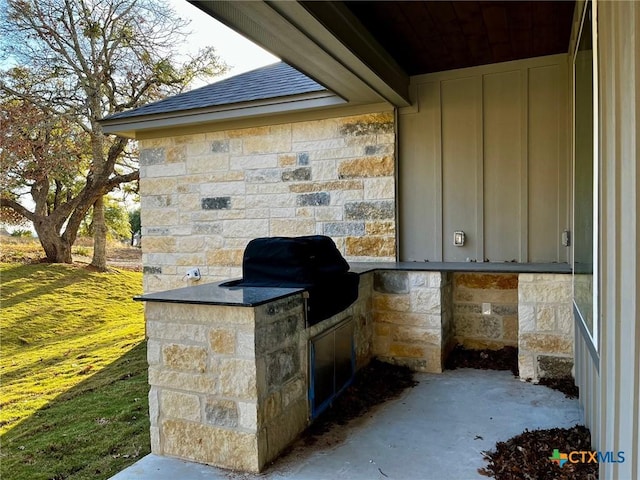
[{"x": 526, "y": 456}]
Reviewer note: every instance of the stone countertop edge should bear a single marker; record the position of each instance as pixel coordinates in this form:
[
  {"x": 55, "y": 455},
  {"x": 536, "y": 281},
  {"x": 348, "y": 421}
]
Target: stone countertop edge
[
  {"x": 483, "y": 267},
  {"x": 217, "y": 294}
]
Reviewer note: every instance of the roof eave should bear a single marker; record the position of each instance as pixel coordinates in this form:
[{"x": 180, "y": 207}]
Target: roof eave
[
  {"x": 131, "y": 126},
  {"x": 312, "y": 38}
]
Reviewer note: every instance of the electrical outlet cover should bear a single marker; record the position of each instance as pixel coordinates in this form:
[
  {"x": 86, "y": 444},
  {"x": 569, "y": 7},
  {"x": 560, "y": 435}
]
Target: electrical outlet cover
[{"x": 193, "y": 274}]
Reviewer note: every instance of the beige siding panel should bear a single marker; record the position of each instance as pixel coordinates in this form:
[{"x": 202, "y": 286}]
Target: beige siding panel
[
  {"x": 618, "y": 44},
  {"x": 502, "y": 108},
  {"x": 588, "y": 381},
  {"x": 544, "y": 163},
  {"x": 496, "y": 147},
  {"x": 460, "y": 157},
  {"x": 420, "y": 179}
]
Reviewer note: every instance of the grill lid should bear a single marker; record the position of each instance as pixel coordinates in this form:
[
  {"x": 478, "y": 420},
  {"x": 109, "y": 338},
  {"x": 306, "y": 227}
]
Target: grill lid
[{"x": 291, "y": 262}]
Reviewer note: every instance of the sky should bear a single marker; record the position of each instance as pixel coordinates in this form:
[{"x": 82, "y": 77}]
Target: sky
[{"x": 239, "y": 53}]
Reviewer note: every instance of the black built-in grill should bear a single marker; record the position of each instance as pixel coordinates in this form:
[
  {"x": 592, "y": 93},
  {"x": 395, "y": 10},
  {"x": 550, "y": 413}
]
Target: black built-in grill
[{"x": 311, "y": 262}]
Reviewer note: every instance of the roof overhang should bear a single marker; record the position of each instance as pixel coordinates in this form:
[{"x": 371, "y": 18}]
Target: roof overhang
[
  {"x": 131, "y": 126},
  {"x": 364, "y": 51},
  {"x": 323, "y": 40},
  {"x": 347, "y": 48}
]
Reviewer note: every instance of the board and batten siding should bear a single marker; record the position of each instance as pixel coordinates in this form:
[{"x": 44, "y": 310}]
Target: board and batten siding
[
  {"x": 486, "y": 150},
  {"x": 618, "y": 129}
]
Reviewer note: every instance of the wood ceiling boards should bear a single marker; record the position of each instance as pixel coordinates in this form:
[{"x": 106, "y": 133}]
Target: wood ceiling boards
[{"x": 432, "y": 36}]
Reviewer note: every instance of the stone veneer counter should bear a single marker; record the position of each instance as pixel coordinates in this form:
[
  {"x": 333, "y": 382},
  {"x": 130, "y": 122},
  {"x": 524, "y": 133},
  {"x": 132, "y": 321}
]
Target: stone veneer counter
[
  {"x": 229, "y": 365},
  {"x": 228, "y": 370},
  {"x": 222, "y": 293}
]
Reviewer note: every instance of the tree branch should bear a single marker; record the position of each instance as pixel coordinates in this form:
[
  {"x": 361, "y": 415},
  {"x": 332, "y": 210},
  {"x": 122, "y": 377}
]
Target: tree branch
[
  {"x": 16, "y": 207},
  {"x": 126, "y": 178}
]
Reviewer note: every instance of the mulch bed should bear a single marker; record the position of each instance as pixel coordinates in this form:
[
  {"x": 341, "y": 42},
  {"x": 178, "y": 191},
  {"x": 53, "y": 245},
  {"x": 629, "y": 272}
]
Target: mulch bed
[
  {"x": 526, "y": 456},
  {"x": 374, "y": 384},
  {"x": 565, "y": 385},
  {"x": 504, "y": 359}
]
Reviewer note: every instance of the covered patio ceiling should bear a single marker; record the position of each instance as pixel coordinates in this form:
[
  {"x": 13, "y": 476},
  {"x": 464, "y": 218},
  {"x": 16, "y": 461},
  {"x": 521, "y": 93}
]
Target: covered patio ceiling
[
  {"x": 365, "y": 51},
  {"x": 433, "y": 36}
]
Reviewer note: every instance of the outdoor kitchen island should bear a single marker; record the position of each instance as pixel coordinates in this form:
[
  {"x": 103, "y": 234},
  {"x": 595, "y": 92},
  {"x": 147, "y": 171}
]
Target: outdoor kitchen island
[{"x": 229, "y": 367}]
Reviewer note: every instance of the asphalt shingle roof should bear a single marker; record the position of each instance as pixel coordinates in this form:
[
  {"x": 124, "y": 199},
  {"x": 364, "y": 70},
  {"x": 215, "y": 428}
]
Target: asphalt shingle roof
[{"x": 271, "y": 81}]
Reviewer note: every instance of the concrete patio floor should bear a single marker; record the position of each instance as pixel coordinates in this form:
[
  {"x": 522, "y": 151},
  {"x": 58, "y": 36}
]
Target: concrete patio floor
[{"x": 436, "y": 430}]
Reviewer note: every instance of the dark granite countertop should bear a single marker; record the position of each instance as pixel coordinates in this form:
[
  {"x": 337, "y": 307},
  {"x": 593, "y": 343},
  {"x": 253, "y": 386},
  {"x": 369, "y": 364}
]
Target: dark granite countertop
[
  {"x": 488, "y": 267},
  {"x": 221, "y": 293},
  {"x": 216, "y": 294}
]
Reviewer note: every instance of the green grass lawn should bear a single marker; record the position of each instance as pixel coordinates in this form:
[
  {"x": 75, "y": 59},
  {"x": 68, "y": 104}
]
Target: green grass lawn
[{"x": 73, "y": 395}]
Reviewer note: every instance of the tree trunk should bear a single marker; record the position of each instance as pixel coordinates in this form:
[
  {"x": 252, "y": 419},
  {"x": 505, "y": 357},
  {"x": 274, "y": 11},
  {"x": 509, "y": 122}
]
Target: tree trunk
[
  {"x": 57, "y": 249},
  {"x": 99, "y": 260}
]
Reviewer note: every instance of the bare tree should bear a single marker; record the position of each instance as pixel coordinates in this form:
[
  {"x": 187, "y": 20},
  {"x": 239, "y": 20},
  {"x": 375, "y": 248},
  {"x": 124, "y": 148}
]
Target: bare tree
[{"x": 75, "y": 62}]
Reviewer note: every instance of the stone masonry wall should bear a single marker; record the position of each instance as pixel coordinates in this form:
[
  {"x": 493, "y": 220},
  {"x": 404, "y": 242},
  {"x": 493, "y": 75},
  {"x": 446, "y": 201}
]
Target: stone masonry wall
[
  {"x": 545, "y": 342},
  {"x": 363, "y": 318},
  {"x": 205, "y": 196},
  {"x": 202, "y": 371},
  {"x": 476, "y": 330},
  {"x": 229, "y": 385},
  {"x": 283, "y": 364},
  {"x": 281, "y": 359},
  {"x": 408, "y": 313}
]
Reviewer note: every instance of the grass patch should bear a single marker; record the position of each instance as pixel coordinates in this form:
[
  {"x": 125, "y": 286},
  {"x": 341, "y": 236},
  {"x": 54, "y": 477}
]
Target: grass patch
[{"x": 74, "y": 373}]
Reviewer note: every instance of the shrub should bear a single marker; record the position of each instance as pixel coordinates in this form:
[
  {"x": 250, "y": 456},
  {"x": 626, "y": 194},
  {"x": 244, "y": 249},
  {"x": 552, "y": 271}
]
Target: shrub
[{"x": 22, "y": 233}]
